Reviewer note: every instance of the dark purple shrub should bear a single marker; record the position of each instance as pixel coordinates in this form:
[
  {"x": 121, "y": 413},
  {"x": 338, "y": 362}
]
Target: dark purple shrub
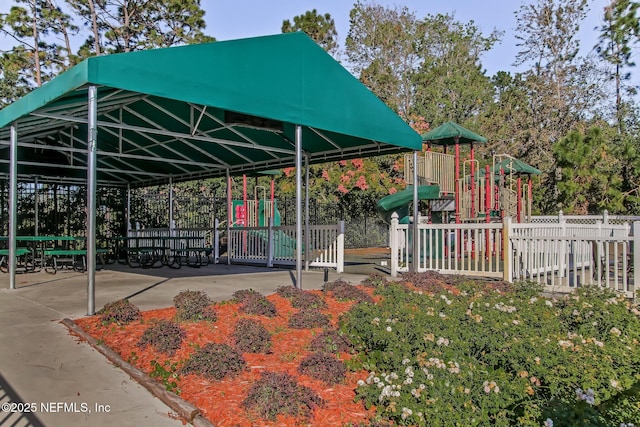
[
  {"x": 194, "y": 306},
  {"x": 324, "y": 367},
  {"x": 331, "y": 341},
  {"x": 164, "y": 336},
  {"x": 279, "y": 393},
  {"x": 258, "y": 304},
  {"x": 308, "y": 318},
  {"x": 306, "y": 299},
  {"x": 251, "y": 337},
  {"x": 120, "y": 312},
  {"x": 214, "y": 362}
]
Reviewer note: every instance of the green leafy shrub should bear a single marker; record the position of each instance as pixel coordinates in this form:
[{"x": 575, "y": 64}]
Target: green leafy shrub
[
  {"x": 279, "y": 393},
  {"x": 164, "y": 336},
  {"x": 251, "y": 337},
  {"x": 306, "y": 299},
  {"x": 214, "y": 362},
  {"x": 498, "y": 357},
  {"x": 167, "y": 374},
  {"x": 331, "y": 341},
  {"x": 194, "y": 306},
  {"x": 258, "y": 304},
  {"x": 324, "y": 367},
  {"x": 121, "y": 312},
  {"x": 287, "y": 291},
  {"x": 308, "y": 318}
]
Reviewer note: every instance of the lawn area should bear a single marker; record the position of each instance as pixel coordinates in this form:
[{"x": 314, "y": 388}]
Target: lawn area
[{"x": 426, "y": 350}]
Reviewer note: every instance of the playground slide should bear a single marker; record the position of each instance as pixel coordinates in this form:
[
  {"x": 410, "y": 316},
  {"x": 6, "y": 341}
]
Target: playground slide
[
  {"x": 283, "y": 245},
  {"x": 400, "y": 201}
]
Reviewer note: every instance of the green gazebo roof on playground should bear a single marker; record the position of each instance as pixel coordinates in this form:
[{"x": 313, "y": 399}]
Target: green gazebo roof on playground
[
  {"x": 449, "y": 133},
  {"x": 198, "y": 111},
  {"x": 517, "y": 167}
]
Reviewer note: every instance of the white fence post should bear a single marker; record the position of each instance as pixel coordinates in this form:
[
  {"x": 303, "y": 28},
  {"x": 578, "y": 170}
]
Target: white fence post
[
  {"x": 393, "y": 242},
  {"x": 605, "y": 217},
  {"x": 270, "y": 243},
  {"x": 340, "y": 260},
  {"x": 216, "y": 241},
  {"x": 636, "y": 258},
  {"x": 507, "y": 251}
]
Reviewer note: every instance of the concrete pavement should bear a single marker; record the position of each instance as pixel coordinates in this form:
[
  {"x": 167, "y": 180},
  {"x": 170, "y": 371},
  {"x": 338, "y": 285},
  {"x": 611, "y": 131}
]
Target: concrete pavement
[{"x": 65, "y": 382}]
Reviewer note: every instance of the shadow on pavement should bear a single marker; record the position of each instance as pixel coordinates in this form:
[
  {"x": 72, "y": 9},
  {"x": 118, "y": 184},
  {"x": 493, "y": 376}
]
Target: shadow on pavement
[{"x": 16, "y": 412}]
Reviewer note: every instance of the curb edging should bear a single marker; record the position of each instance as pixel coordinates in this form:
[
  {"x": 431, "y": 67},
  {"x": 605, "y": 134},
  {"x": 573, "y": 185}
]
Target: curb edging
[{"x": 183, "y": 408}]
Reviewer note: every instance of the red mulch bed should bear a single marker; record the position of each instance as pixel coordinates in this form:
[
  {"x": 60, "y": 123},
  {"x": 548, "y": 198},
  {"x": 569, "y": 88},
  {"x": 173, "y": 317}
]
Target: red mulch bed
[{"x": 221, "y": 401}]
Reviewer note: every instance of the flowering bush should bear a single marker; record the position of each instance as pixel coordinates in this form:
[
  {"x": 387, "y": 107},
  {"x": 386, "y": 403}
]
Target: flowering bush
[{"x": 480, "y": 356}]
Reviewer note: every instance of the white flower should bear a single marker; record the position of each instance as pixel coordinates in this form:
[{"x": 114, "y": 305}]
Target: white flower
[
  {"x": 360, "y": 383},
  {"x": 405, "y": 361},
  {"x": 549, "y": 303},
  {"x": 548, "y": 422},
  {"x": 614, "y": 383},
  {"x": 406, "y": 412},
  {"x": 615, "y": 331},
  {"x": 388, "y": 328}
]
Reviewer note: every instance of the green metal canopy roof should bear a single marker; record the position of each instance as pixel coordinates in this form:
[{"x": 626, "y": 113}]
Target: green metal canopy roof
[
  {"x": 517, "y": 167},
  {"x": 197, "y": 111},
  {"x": 449, "y": 133}
]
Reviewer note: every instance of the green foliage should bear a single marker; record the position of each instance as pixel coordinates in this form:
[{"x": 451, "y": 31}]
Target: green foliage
[
  {"x": 321, "y": 28},
  {"x": 214, "y": 362},
  {"x": 485, "y": 357},
  {"x": 120, "y": 312},
  {"x": 164, "y": 336},
  {"x": 251, "y": 336},
  {"x": 590, "y": 178},
  {"x": 324, "y": 367},
  {"x": 307, "y": 319},
  {"x": 194, "y": 306},
  {"x": 279, "y": 393},
  {"x": 167, "y": 374}
]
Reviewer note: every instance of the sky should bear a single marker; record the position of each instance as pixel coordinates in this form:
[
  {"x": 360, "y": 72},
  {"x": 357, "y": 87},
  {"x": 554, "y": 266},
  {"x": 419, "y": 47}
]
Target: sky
[
  {"x": 246, "y": 18},
  {"x": 228, "y": 20}
]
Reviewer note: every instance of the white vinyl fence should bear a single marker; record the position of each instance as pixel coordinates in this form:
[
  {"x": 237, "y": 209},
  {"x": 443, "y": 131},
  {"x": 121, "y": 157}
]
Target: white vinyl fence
[
  {"x": 560, "y": 255},
  {"x": 323, "y": 247}
]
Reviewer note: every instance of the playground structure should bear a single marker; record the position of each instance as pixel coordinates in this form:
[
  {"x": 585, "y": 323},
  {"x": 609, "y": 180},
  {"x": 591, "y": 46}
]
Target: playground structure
[
  {"x": 255, "y": 234},
  {"x": 469, "y": 193}
]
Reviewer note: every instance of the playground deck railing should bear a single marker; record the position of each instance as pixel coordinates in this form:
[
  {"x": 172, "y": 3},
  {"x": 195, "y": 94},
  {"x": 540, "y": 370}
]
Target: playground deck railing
[
  {"x": 323, "y": 247},
  {"x": 560, "y": 256}
]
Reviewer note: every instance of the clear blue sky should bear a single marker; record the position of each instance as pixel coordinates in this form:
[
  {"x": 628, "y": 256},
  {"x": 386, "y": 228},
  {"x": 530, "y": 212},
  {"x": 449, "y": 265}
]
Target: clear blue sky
[{"x": 247, "y": 18}]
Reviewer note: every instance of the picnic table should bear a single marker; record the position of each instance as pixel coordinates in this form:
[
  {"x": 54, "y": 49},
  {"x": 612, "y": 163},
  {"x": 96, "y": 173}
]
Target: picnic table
[{"x": 51, "y": 252}]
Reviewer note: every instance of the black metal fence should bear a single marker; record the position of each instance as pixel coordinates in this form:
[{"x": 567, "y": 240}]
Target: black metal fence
[{"x": 61, "y": 211}]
